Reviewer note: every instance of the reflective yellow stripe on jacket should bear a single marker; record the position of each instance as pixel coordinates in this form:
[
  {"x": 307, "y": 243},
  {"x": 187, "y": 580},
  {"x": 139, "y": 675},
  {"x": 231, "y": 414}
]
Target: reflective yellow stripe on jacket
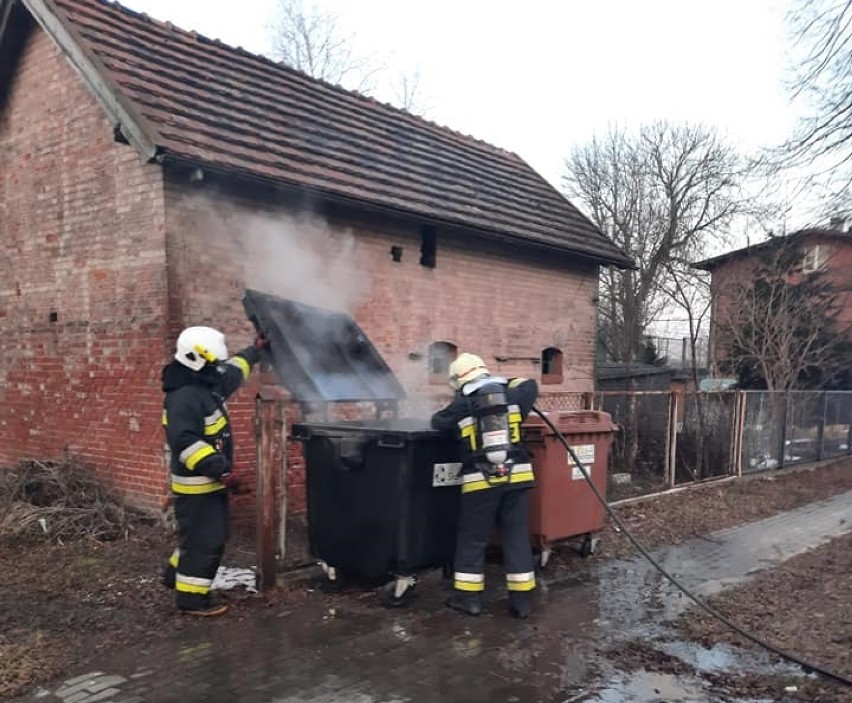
[
  {"x": 195, "y": 485},
  {"x": 215, "y": 423},
  {"x": 521, "y": 473},
  {"x": 241, "y": 364}
]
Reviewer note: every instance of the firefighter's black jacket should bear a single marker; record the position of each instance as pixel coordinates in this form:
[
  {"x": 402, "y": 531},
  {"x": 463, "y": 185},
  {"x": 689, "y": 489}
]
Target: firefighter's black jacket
[
  {"x": 195, "y": 417},
  {"x": 521, "y": 392}
]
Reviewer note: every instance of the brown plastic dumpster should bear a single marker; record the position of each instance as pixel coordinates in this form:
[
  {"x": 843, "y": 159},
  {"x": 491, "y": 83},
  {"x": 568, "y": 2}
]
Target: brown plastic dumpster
[{"x": 562, "y": 505}]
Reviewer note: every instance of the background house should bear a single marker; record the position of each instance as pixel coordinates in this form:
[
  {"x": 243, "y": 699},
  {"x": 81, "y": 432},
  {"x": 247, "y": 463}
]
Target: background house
[
  {"x": 149, "y": 175},
  {"x": 828, "y": 250}
]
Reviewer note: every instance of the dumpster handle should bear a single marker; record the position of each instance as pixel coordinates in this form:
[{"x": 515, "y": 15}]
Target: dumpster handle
[
  {"x": 391, "y": 442},
  {"x": 712, "y": 611}
]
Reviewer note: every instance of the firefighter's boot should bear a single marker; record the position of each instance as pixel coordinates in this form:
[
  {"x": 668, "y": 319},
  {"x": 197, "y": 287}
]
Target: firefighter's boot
[
  {"x": 469, "y": 603},
  {"x": 200, "y": 606},
  {"x": 520, "y": 603},
  {"x": 169, "y": 576}
]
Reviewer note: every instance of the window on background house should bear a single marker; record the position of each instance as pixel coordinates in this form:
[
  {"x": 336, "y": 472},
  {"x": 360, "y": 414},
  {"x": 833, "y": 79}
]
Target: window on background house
[
  {"x": 815, "y": 258},
  {"x": 441, "y": 355},
  {"x": 551, "y": 366}
]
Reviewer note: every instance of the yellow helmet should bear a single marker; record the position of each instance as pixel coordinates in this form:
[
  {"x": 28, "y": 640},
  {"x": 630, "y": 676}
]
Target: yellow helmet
[{"x": 465, "y": 368}]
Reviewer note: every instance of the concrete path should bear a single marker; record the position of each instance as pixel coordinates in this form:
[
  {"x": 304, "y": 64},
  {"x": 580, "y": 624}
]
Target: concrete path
[{"x": 346, "y": 649}]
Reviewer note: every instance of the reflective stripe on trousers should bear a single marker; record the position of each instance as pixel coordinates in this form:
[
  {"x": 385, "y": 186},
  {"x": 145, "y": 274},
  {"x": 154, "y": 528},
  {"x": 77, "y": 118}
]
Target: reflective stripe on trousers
[{"x": 468, "y": 582}]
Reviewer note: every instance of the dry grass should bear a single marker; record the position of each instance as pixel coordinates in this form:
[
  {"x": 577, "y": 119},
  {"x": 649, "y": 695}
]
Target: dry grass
[
  {"x": 24, "y": 662},
  {"x": 60, "y": 501}
]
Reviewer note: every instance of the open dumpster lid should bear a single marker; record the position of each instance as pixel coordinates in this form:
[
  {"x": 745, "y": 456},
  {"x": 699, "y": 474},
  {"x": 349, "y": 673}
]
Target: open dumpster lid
[{"x": 320, "y": 355}]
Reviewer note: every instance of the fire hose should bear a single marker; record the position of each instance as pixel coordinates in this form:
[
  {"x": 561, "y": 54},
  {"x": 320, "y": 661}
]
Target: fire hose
[{"x": 806, "y": 666}]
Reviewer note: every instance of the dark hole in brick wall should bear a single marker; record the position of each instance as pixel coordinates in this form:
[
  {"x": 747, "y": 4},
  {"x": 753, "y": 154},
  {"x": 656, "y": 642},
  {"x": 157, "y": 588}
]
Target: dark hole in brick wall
[
  {"x": 428, "y": 247},
  {"x": 53, "y": 317},
  {"x": 396, "y": 254},
  {"x": 551, "y": 365}
]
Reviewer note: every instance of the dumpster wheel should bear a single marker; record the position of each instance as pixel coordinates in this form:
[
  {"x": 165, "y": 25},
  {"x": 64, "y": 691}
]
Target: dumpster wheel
[
  {"x": 589, "y": 545},
  {"x": 398, "y": 593}
]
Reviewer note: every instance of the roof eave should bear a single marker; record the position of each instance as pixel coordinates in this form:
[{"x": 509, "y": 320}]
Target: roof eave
[
  {"x": 167, "y": 158},
  {"x": 95, "y": 76}
]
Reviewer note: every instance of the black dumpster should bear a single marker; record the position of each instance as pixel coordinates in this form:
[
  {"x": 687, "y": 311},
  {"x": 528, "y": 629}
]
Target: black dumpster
[{"x": 382, "y": 494}]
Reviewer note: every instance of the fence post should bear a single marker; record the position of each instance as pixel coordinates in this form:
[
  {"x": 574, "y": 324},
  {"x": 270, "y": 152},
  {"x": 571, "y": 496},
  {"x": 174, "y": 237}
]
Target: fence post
[
  {"x": 736, "y": 449},
  {"x": 265, "y": 432},
  {"x": 821, "y": 427},
  {"x": 783, "y": 430},
  {"x": 671, "y": 458}
]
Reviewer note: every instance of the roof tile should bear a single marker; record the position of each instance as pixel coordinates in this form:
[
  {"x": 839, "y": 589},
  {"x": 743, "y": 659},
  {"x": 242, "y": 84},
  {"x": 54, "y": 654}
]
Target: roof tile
[{"x": 220, "y": 106}]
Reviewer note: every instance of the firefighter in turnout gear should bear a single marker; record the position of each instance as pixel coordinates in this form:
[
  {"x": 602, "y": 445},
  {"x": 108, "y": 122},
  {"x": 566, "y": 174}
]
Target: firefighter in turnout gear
[
  {"x": 486, "y": 414},
  {"x": 196, "y": 385}
]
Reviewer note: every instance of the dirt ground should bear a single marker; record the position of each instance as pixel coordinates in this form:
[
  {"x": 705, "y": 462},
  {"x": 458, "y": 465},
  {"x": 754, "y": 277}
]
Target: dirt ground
[
  {"x": 62, "y": 605},
  {"x": 803, "y": 607}
]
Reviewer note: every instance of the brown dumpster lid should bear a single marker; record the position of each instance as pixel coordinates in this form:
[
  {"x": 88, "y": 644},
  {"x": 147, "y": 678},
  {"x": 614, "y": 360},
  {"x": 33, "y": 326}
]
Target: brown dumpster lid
[
  {"x": 320, "y": 355},
  {"x": 572, "y": 421}
]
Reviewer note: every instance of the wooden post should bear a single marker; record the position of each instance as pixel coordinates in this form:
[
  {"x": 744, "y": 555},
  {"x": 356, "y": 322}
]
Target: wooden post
[
  {"x": 821, "y": 426},
  {"x": 266, "y": 423},
  {"x": 784, "y": 410},
  {"x": 739, "y": 432},
  {"x": 671, "y": 458}
]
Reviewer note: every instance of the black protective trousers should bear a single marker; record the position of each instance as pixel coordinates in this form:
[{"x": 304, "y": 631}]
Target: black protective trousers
[
  {"x": 507, "y": 507},
  {"x": 203, "y": 529}
]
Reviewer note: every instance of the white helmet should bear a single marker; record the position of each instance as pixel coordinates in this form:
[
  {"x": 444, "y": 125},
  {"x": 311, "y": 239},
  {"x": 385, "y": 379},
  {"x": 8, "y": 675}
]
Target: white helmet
[
  {"x": 466, "y": 368},
  {"x": 197, "y": 346}
]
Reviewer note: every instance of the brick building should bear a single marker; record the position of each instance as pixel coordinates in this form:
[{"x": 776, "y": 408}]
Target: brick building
[
  {"x": 149, "y": 175},
  {"x": 827, "y": 249}
]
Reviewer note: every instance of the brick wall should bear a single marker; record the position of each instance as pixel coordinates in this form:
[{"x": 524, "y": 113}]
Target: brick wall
[
  {"x": 82, "y": 281},
  {"x": 499, "y": 304}
]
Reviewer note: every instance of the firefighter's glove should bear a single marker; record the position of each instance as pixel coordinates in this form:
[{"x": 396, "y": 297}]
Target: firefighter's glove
[
  {"x": 261, "y": 342},
  {"x": 232, "y": 483}
]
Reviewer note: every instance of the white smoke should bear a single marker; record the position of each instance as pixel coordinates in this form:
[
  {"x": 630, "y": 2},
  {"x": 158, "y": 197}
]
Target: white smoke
[
  {"x": 304, "y": 259},
  {"x": 297, "y": 257}
]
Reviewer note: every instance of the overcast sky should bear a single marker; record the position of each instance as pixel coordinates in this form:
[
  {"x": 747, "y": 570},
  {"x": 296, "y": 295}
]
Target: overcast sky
[{"x": 541, "y": 76}]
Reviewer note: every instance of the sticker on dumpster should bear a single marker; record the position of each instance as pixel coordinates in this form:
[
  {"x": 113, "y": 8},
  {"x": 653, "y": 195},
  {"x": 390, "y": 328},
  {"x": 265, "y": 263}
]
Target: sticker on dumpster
[
  {"x": 447, "y": 475},
  {"x": 586, "y": 454}
]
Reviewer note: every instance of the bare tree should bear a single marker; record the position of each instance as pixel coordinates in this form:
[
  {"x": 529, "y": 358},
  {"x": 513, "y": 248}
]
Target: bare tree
[
  {"x": 661, "y": 195},
  {"x": 818, "y": 156},
  {"x": 689, "y": 290},
  {"x": 310, "y": 39},
  {"x": 408, "y": 93},
  {"x": 780, "y": 328}
]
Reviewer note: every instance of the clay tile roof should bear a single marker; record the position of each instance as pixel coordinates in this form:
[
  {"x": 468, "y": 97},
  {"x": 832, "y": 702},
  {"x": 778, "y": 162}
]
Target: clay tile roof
[
  {"x": 200, "y": 101},
  {"x": 793, "y": 238}
]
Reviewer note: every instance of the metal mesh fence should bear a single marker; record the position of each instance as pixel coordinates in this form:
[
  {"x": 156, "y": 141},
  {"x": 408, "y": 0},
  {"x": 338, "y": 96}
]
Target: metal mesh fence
[
  {"x": 764, "y": 419},
  {"x": 837, "y": 433},
  {"x": 804, "y": 417},
  {"x": 637, "y": 460},
  {"x": 705, "y": 433},
  {"x": 809, "y": 425}
]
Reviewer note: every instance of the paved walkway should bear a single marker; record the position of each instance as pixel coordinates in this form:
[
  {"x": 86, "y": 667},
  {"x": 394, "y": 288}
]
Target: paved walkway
[{"x": 346, "y": 649}]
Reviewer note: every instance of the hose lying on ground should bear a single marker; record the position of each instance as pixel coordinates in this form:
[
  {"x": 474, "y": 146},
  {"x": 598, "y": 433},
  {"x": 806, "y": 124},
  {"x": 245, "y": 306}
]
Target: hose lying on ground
[{"x": 709, "y": 609}]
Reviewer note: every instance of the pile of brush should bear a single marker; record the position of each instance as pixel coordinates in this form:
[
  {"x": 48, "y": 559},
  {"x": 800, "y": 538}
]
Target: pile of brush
[{"x": 60, "y": 501}]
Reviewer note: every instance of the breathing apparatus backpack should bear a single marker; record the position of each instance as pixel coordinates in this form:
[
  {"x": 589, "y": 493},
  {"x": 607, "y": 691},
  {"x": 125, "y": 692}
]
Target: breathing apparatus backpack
[{"x": 492, "y": 429}]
